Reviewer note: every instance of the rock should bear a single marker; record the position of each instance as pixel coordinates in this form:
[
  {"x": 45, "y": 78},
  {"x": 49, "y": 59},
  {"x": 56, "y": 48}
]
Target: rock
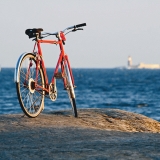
[
  {"x": 104, "y": 119},
  {"x": 95, "y": 134}
]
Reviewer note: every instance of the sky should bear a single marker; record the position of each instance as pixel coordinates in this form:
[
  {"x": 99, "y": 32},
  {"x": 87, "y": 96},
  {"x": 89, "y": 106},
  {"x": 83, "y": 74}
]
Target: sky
[{"x": 115, "y": 30}]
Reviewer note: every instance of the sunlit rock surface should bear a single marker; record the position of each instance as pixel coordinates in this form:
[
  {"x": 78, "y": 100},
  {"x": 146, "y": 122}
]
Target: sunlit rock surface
[{"x": 95, "y": 134}]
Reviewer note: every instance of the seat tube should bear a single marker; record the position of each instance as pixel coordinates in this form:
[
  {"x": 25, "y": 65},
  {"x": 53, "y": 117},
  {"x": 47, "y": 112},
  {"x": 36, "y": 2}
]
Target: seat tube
[
  {"x": 59, "y": 60},
  {"x": 41, "y": 62},
  {"x": 57, "y": 66}
]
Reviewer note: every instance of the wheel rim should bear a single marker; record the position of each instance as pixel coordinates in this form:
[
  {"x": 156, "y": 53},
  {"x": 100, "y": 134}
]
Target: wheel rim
[{"x": 31, "y": 97}]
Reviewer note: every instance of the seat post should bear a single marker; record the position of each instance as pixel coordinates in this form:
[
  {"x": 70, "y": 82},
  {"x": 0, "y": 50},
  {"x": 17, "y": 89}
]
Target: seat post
[{"x": 37, "y": 36}]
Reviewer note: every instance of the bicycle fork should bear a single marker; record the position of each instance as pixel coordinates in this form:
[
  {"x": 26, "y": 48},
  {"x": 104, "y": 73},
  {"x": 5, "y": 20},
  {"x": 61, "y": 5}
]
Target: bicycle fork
[{"x": 69, "y": 79}]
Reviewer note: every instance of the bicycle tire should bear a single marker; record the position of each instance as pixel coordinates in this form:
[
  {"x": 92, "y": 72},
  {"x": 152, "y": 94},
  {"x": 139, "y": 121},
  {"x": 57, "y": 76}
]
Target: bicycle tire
[
  {"x": 70, "y": 90},
  {"x": 31, "y": 99}
]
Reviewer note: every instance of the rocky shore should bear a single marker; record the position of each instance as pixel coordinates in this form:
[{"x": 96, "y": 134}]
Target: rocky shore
[{"x": 95, "y": 134}]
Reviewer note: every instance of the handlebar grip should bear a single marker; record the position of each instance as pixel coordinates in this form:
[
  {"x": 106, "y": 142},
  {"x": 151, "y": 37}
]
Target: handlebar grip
[{"x": 80, "y": 25}]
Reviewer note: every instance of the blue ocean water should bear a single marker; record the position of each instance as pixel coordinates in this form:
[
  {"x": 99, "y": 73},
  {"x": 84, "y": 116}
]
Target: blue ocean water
[{"x": 131, "y": 90}]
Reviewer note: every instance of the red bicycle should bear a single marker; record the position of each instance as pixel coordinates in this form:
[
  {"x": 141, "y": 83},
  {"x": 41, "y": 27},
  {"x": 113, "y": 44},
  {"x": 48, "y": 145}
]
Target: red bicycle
[{"x": 31, "y": 77}]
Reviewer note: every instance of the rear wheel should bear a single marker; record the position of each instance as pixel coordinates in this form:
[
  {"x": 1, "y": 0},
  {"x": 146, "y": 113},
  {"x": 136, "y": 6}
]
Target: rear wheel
[
  {"x": 70, "y": 90},
  {"x": 31, "y": 97}
]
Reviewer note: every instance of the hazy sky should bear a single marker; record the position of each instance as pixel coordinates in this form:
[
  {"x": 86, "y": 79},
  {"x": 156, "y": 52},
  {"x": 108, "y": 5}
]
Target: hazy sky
[{"x": 115, "y": 29}]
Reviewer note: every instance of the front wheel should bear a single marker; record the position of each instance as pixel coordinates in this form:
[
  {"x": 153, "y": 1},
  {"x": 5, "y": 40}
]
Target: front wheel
[
  {"x": 73, "y": 101},
  {"x": 30, "y": 95},
  {"x": 70, "y": 90}
]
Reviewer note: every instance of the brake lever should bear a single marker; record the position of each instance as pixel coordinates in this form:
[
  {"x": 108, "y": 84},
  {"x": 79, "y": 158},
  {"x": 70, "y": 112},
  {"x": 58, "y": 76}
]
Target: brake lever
[
  {"x": 75, "y": 29},
  {"x": 80, "y": 29}
]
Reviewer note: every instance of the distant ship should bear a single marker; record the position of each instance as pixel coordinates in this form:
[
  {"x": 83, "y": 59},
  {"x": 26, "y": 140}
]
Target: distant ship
[{"x": 142, "y": 65}]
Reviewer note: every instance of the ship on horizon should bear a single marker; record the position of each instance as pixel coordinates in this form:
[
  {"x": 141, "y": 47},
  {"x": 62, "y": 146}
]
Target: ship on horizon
[{"x": 141, "y": 65}]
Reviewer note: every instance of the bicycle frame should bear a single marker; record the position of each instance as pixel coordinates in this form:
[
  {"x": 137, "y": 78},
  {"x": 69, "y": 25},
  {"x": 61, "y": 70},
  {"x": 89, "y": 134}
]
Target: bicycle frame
[
  {"x": 63, "y": 60},
  {"x": 31, "y": 76}
]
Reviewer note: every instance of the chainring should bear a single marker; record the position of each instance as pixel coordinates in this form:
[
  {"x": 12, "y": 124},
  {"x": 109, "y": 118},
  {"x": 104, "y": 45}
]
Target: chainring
[{"x": 52, "y": 92}]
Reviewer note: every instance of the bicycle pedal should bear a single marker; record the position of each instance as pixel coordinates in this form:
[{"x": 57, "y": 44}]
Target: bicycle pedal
[{"x": 58, "y": 75}]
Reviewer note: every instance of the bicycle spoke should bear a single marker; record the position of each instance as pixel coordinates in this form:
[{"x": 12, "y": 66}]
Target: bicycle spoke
[
  {"x": 38, "y": 79},
  {"x": 40, "y": 92},
  {"x": 32, "y": 71},
  {"x": 36, "y": 101},
  {"x": 24, "y": 98},
  {"x": 22, "y": 85},
  {"x": 24, "y": 90},
  {"x": 22, "y": 71},
  {"x": 23, "y": 75},
  {"x": 31, "y": 101}
]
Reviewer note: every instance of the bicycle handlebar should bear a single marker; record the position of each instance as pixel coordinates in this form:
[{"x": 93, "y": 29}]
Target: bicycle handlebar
[
  {"x": 80, "y": 25},
  {"x": 75, "y": 28}
]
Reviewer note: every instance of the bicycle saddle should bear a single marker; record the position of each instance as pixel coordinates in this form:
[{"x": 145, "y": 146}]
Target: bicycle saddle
[{"x": 32, "y": 32}]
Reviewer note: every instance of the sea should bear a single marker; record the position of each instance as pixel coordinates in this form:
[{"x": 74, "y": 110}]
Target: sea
[{"x": 133, "y": 90}]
